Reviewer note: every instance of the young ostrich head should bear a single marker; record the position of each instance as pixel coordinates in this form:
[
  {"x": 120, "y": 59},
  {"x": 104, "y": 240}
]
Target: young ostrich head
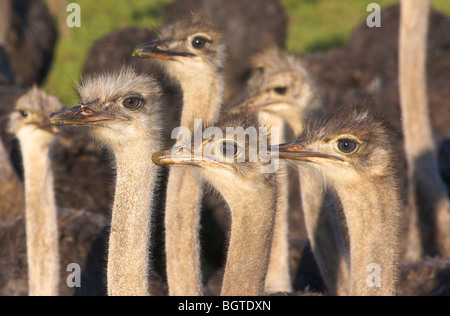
[
  {"x": 346, "y": 149},
  {"x": 187, "y": 48},
  {"x": 223, "y": 158},
  {"x": 232, "y": 164},
  {"x": 29, "y": 122},
  {"x": 119, "y": 110},
  {"x": 355, "y": 155},
  {"x": 280, "y": 86}
]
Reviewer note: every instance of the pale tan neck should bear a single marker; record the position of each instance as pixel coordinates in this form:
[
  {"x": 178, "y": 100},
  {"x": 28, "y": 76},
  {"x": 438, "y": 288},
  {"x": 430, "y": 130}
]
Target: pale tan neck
[
  {"x": 322, "y": 227},
  {"x": 182, "y": 218},
  {"x": 253, "y": 220},
  {"x": 41, "y": 218},
  {"x": 413, "y": 86},
  {"x": 423, "y": 170},
  {"x": 128, "y": 254},
  {"x": 372, "y": 214},
  {"x": 202, "y": 97},
  {"x": 278, "y": 277}
]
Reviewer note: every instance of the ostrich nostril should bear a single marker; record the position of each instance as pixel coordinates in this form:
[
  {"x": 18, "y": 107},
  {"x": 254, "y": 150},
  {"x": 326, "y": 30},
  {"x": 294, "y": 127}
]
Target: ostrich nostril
[
  {"x": 86, "y": 111},
  {"x": 295, "y": 148}
]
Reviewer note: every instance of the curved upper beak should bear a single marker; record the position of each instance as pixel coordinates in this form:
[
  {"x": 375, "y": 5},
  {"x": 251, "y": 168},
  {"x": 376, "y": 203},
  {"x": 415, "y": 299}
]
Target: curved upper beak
[
  {"x": 81, "y": 115},
  {"x": 176, "y": 156},
  {"x": 161, "y": 49},
  {"x": 181, "y": 155},
  {"x": 299, "y": 151}
]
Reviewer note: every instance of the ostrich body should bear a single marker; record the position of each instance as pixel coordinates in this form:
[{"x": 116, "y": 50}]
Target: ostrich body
[
  {"x": 251, "y": 196},
  {"x": 35, "y": 135},
  {"x": 11, "y": 205},
  {"x": 281, "y": 90},
  {"x": 121, "y": 111},
  {"x": 30, "y": 39},
  {"x": 425, "y": 181},
  {"x": 353, "y": 155},
  {"x": 192, "y": 52}
]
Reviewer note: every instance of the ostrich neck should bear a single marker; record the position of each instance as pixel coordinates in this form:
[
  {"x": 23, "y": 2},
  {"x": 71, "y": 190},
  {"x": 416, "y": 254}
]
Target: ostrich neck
[
  {"x": 202, "y": 100},
  {"x": 41, "y": 218},
  {"x": 253, "y": 220},
  {"x": 128, "y": 257},
  {"x": 278, "y": 278},
  {"x": 372, "y": 214}
]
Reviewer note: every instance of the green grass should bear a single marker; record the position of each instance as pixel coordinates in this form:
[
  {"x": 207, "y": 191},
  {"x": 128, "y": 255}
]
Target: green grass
[{"x": 315, "y": 25}]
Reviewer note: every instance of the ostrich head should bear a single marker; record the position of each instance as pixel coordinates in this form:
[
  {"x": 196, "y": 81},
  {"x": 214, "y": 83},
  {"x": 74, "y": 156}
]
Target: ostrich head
[
  {"x": 118, "y": 109},
  {"x": 187, "y": 48},
  {"x": 29, "y": 121}
]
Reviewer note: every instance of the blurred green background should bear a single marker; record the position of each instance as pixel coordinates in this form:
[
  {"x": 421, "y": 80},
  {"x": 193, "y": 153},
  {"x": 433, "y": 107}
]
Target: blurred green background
[{"x": 315, "y": 25}]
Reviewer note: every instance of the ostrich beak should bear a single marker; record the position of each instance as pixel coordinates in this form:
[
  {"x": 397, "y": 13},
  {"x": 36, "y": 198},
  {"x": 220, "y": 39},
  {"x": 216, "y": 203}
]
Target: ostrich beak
[
  {"x": 179, "y": 156},
  {"x": 83, "y": 116},
  {"x": 300, "y": 151},
  {"x": 161, "y": 49}
]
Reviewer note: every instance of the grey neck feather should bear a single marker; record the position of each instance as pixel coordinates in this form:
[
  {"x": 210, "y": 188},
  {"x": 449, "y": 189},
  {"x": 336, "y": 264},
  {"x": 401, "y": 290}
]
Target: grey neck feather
[
  {"x": 202, "y": 98},
  {"x": 41, "y": 220},
  {"x": 128, "y": 258},
  {"x": 372, "y": 214}
]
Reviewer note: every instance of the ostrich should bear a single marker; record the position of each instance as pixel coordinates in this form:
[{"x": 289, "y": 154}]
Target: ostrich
[
  {"x": 251, "y": 196},
  {"x": 30, "y": 39},
  {"x": 193, "y": 53},
  {"x": 354, "y": 155},
  {"x": 425, "y": 183},
  {"x": 35, "y": 136},
  {"x": 122, "y": 112},
  {"x": 248, "y": 28},
  {"x": 281, "y": 90},
  {"x": 112, "y": 52}
]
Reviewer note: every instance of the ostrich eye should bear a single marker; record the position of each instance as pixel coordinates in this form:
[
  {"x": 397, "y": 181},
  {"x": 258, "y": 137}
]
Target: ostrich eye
[
  {"x": 24, "y": 113},
  {"x": 133, "y": 103},
  {"x": 199, "y": 42},
  {"x": 281, "y": 90},
  {"x": 229, "y": 148},
  {"x": 347, "y": 146}
]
